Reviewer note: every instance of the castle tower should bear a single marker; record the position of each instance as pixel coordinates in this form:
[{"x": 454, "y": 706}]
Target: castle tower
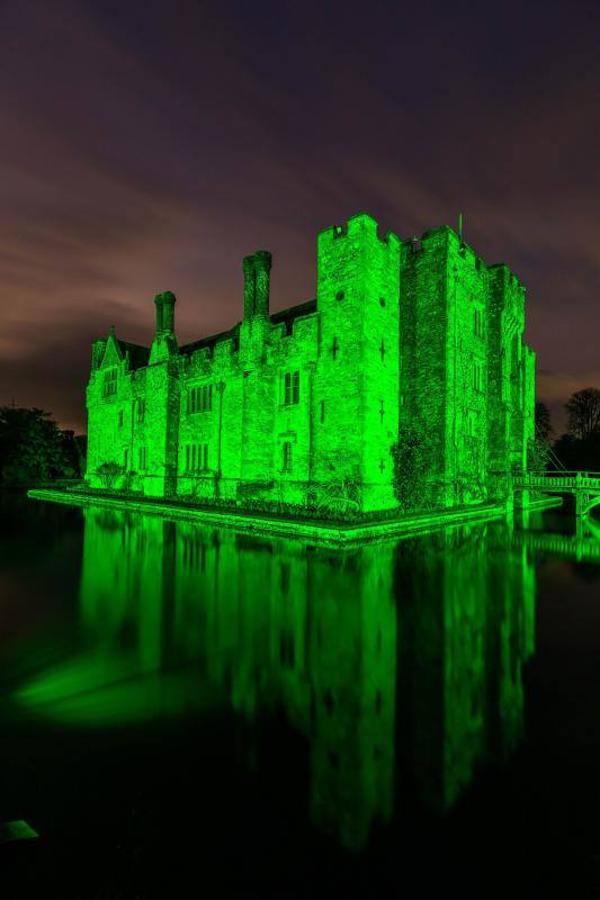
[{"x": 357, "y": 371}]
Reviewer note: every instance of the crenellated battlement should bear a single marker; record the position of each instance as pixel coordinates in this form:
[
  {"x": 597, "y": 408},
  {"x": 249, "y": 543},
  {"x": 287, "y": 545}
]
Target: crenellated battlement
[{"x": 358, "y": 226}]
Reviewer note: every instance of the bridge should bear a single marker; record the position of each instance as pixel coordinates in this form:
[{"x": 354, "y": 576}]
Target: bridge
[
  {"x": 583, "y": 546},
  {"x": 584, "y": 486}
]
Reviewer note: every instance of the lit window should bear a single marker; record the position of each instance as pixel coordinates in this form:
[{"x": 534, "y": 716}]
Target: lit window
[
  {"x": 291, "y": 388},
  {"x": 287, "y": 456},
  {"x": 110, "y": 382}
]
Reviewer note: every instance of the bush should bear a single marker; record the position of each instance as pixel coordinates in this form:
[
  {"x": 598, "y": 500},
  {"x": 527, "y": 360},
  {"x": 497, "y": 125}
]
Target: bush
[{"x": 108, "y": 472}]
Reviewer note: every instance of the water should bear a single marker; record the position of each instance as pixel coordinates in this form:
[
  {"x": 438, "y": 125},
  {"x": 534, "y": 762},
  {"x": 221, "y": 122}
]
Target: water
[{"x": 183, "y": 705}]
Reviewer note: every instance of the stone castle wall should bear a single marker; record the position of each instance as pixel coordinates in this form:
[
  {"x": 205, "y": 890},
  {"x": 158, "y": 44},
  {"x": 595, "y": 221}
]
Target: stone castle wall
[{"x": 413, "y": 340}]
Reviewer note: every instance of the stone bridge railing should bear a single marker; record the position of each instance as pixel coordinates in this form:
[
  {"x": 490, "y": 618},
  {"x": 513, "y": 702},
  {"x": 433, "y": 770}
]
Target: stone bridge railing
[{"x": 569, "y": 482}]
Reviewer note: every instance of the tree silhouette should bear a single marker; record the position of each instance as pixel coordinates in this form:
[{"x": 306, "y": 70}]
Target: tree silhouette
[
  {"x": 33, "y": 448},
  {"x": 543, "y": 423},
  {"x": 583, "y": 408}
]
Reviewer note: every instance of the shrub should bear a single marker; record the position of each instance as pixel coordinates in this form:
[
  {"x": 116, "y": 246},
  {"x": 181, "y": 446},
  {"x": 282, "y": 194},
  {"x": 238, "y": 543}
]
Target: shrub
[{"x": 108, "y": 472}]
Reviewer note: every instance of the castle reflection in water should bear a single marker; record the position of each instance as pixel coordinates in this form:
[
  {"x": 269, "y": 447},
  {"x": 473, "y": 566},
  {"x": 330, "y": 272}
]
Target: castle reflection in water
[{"x": 393, "y": 660}]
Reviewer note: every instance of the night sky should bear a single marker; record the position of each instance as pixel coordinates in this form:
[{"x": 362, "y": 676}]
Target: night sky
[{"x": 148, "y": 146}]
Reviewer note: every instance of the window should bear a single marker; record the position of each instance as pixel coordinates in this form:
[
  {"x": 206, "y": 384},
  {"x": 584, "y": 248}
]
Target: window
[
  {"x": 125, "y": 459},
  {"x": 477, "y": 377},
  {"x": 200, "y": 399},
  {"x": 291, "y": 388},
  {"x": 196, "y": 457},
  {"x": 120, "y": 418},
  {"x": 287, "y": 456},
  {"x": 143, "y": 458},
  {"x": 190, "y": 457},
  {"x": 141, "y": 410},
  {"x": 477, "y": 323},
  {"x": 110, "y": 382}
]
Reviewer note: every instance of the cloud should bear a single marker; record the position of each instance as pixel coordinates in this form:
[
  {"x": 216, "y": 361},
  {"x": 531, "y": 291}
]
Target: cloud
[{"x": 145, "y": 153}]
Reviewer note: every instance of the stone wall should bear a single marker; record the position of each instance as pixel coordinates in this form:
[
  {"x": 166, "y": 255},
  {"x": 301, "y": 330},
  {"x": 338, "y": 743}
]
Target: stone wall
[{"x": 414, "y": 337}]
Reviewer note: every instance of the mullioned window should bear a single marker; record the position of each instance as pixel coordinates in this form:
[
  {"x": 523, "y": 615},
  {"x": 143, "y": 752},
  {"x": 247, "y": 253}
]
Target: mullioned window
[
  {"x": 291, "y": 388},
  {"x": 199, "y": 399},
  {"x": 196, "y": 457},
  {"x": 110, "y": 383}
]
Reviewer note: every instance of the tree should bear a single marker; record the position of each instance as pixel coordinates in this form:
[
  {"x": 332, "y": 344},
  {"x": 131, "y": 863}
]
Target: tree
[
  {"x": 32, "y": 447},
  {"x": 543, "y": 423},
  {"x": 583, "y": 408}
]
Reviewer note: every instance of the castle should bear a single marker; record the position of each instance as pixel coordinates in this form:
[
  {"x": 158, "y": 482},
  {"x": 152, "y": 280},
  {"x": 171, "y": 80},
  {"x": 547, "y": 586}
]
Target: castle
[{"x": 405, "y": 383}]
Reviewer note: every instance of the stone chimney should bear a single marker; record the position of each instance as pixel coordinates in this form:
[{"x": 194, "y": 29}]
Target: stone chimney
[
  {"x": 257, "y": 269},
  {"x": 165, "y": 313}
]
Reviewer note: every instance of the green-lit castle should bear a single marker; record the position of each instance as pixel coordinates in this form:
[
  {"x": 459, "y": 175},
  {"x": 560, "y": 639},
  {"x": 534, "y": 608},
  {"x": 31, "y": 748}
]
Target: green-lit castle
[{"x": 406, "y": 382}]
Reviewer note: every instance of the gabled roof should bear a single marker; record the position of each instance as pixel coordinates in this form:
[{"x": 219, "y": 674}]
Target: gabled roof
[{"x": 138, "y": 355}]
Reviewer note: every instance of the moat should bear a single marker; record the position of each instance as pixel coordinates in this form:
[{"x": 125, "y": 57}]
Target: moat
[{"x": 262, "y": 716}]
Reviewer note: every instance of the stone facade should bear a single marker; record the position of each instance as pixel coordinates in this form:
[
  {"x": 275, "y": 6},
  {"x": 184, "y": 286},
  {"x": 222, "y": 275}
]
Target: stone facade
[{"x": 415, "y": 341}]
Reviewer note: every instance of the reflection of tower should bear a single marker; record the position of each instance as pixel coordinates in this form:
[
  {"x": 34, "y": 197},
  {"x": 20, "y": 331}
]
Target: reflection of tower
[
  {"x": 282, "y": 626},
  {"x": 467, "y": 628},
  {"x": 353, "y": 674}
]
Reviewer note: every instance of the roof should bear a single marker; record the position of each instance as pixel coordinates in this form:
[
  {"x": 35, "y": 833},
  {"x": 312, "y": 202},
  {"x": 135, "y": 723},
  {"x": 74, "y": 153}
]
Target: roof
[
  {"x": 293, "y": 312},
  {"x": 287, "y": 316},
  {"x": 210, "y": 341},
  {"x": 138, "y": 355}
]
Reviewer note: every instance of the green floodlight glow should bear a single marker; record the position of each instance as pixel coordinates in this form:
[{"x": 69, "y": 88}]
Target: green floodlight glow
[
  {"x": 178, "y": 617},
  {"x": 19, "y": 830},
  {"x": 320, "y": 532},
  {"x": 405, "y": 384}
]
